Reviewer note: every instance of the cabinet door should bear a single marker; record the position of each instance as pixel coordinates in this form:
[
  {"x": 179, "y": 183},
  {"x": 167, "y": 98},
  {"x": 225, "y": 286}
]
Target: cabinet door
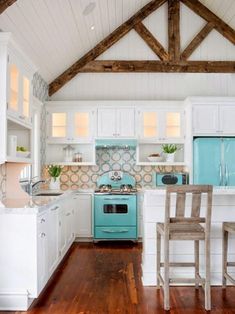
[
  {"x": 172, "y": 125},
  {"x": 53, "y": 223},
  {"x": 26, "y": 98},
  {"x": 107, "y": 124},
  {"x": 13, "y": 89},
  {"x": 62, "y": 232},
  {"x": 82, "y": 123},
  {"x": 42, "y": 251},
  {"x": 227, "y": 118},
  {"x": 83, "y": 214},
  {"x": 205, "y": 119},
  {"x": 149, "y": 124},
  {"x": 57, "y": 126},
  {"x": 126, "y": 122}
]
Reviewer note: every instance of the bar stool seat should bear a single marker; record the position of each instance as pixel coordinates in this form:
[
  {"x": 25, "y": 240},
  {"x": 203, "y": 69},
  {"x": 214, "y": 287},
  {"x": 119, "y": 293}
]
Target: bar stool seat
[
  {"x": 228, "y": 227},
  {"x": 178, "y": 226},
  {"x": 180, "y": 231}
]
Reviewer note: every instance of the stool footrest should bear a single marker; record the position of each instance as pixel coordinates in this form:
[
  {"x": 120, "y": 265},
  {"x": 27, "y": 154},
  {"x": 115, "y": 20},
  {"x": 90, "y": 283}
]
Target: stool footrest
[
  {"x": 179, "y": 264},
  {"x": 228, "y": 277}
]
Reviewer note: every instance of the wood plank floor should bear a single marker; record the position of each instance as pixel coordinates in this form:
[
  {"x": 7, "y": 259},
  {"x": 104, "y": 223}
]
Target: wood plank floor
[{"x": 106, "y": 278}]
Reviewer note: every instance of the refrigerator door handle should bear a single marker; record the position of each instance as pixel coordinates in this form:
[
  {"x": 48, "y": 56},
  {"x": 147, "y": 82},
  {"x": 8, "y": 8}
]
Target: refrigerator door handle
[
  {"x": 226, "y": 175},
  {"x": 220, "y": 174}
]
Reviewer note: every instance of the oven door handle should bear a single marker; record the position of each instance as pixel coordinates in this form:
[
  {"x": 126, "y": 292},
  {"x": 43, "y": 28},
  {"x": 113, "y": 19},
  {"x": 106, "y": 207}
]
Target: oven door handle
[
  {"x": 115, "y": 231},
  {"x": 117, "y": 199}
]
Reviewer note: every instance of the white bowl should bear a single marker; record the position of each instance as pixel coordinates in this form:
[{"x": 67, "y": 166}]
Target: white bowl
[
  {"x": 22, "y": 154},
  {"x": 155, "y": 158}
]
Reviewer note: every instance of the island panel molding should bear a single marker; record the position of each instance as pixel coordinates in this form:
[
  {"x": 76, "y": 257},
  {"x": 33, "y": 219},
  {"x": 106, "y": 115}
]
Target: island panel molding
[{"x": 88, "y": 62}]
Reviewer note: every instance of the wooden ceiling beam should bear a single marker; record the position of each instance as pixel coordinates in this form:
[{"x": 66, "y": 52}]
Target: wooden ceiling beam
[
  {"x": 4, "y": 4},
  {"x": 114, "y": 66},
  {"x": 174, "y": 29},
  {"x": 106, "y": 43},
  {"x": 209, "y": 16},
  {"x": 151, "y": 41},
  {"x": 197, "y": 41}
]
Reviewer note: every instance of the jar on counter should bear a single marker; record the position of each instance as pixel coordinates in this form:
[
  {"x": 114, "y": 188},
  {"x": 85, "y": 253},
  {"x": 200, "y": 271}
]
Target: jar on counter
[{"x": 77, "y": 157}]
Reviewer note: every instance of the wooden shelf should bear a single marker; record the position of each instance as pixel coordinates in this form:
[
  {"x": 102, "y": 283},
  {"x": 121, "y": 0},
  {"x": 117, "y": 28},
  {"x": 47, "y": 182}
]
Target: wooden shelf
[
  {"x": 64, "y": 163},
  {"x": 19, "y": 159},
  {"x": 148, "y": 163}
]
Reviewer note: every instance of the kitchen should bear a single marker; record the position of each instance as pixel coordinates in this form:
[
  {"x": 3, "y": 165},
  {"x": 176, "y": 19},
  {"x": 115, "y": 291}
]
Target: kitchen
[{"x": 97, "y": 149}]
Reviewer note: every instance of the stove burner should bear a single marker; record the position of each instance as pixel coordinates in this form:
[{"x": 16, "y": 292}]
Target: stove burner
[
  {"x": 126, "y": 188},
  {"x": 104, "y": 188}
]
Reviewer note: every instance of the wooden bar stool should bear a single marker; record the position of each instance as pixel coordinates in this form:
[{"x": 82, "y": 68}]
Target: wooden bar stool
[
  {"x": 228, "y": 227},
  {"x": 180, "y": 227}
]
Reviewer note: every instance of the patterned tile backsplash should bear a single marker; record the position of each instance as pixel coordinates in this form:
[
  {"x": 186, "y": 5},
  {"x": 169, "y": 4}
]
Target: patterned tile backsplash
[
  {"x": 85, "y": 177},
  {"x": 2, "y": 181}
]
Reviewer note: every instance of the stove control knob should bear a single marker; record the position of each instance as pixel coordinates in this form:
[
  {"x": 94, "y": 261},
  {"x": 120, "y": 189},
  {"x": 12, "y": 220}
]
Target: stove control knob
[
  {"x": 119, "y": 178},
  {"x": 112, "y": 178}
]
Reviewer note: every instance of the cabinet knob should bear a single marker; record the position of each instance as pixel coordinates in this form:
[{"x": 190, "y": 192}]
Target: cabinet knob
[
  {"x": 54, "y": 208},
  {"x": 42, "y": 235},
  {"x": 42, "y": 220}
]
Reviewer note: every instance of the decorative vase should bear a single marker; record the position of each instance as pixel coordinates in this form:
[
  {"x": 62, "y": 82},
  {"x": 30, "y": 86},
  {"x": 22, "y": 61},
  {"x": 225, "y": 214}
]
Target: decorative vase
[
  {"x": 170, "y": 157},
  {"x": 55, "y": 184}
]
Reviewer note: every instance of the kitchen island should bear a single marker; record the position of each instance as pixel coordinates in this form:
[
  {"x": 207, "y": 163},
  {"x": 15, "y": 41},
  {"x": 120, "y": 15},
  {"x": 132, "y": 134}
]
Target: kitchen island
[{"x": 152, "y": 203}]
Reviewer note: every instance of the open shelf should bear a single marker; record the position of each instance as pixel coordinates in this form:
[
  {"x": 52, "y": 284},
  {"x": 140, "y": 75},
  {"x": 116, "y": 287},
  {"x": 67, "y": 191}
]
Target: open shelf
[
  {"x": 64, "y": 163},
  {"x": 163, "y": 163},
  {"x": 19, "y": 159}
]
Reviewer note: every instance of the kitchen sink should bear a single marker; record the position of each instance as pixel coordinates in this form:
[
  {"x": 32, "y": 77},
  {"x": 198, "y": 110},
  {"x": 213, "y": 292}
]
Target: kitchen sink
[{"x": 49, "y": 194}]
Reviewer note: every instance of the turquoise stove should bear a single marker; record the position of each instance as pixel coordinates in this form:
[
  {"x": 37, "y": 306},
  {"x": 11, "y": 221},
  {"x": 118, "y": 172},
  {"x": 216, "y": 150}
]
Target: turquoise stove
[{"x": 115, "y": 207}]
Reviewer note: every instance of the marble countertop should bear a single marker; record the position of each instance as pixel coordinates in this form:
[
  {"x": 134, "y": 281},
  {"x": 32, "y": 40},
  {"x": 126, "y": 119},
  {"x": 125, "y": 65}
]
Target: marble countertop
[
  {"x": 217, "y": 190},
  {"x": 36, "y": 204}
]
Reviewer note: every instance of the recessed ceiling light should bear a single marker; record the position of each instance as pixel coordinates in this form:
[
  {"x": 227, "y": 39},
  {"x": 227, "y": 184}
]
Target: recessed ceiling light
[
  {"x": 89, "y": 8},
  {"x": 92, "y": 27}
]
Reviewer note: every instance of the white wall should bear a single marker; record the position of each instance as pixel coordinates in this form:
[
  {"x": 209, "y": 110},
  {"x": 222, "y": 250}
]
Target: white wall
[{"x": 92, "y": 86}]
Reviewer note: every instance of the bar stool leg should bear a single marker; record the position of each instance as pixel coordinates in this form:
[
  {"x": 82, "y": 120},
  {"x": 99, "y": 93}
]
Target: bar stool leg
[
  {"x": 196, "y": 260},
  {"x": 207, "y": 279},
  {"x": 166, "y": 274},
  {"x": 158, "y": 258},
  {"x": 225, "y": 256}
]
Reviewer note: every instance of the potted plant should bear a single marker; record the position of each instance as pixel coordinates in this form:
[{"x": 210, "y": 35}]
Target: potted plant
[
  {"x": 169, "y": 151},
  {"x": 54, "y": 171}
]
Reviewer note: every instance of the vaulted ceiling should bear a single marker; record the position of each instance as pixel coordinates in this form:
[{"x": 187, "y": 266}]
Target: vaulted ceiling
[{"x": 56, "y": 33}]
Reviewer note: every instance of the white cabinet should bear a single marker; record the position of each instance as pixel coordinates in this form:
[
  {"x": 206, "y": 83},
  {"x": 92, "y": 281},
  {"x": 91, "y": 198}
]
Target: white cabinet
[
  {"x": 116, "y": 122},
  {"x": 42, "y": 252},
  {"x": 213, "y": 119},
  {"x": 83, "y": 216},
  {"x": 162, "y": 125},
  {"x": 69, "y": 125},
  {"x": 53, "y": 237}
]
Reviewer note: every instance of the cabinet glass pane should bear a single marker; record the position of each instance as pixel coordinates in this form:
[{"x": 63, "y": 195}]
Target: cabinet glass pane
[
  {"x": 14, "y": 87},
  {"x": 173, "y": 124},
  {"x": 150, "y": 124},
  {"x": 81, "y": 124},
  {"x": 59, "y": 124},
  {"x": 25, "y": 96}
]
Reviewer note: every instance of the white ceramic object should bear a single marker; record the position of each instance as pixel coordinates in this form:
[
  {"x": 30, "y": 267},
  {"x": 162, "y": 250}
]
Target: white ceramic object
[
  {"x": 170, "y": 157},
  {"x": 154, "y": 158},
  {"x": 55, "y": 184}
]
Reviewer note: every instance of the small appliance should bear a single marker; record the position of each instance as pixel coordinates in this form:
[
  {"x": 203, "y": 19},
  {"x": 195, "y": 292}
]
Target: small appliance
[
  {"x": 177, "y": 178},
  {"x": 115, "y": 209}
]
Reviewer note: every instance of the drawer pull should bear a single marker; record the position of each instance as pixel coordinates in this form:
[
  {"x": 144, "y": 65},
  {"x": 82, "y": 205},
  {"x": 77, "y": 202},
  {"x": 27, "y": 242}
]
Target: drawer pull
[
  {"x": 42, "y": 235},
  {"x": 54, "y": 208},
  {"x": 68, "y": 214},
  {"x": 115, "y": 231},
  {"x": 42, "y": 220},
  {"x": 117, "y": 199}
]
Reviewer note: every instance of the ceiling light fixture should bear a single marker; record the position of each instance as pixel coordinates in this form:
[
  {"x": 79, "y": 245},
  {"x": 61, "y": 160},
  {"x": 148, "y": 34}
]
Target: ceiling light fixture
[{"x": 89, "y": 8}]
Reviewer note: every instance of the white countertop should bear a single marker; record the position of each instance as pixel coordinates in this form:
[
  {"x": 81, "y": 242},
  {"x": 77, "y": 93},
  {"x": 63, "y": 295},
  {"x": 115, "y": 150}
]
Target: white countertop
[
  {"x": 217, "y": 190},
  {"x": 36, "y": 204}
]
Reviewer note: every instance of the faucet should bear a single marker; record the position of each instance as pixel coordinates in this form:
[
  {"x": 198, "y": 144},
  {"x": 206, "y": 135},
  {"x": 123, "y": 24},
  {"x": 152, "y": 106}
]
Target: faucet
[{"x": 31, "y": 185}]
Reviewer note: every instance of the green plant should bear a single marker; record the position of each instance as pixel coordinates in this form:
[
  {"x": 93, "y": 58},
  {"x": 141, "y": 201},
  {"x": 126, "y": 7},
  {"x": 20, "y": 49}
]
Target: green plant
[
  {"x": 54, "y": 171},
  {"x": 169, "y": 148}
]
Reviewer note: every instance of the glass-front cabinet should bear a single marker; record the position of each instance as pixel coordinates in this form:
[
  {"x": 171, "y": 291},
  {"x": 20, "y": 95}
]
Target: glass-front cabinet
[
  {"x": 70, "y": 125},
  {"x": 19, "y": 91},
  {"x": 162, "y": 125}
]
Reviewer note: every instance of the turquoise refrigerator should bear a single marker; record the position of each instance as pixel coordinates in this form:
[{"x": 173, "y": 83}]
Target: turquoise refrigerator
[{"x": 214, "y": 161}]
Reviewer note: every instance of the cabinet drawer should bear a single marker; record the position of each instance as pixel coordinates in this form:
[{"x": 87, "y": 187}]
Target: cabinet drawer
[{"x": 123, "y": 232}]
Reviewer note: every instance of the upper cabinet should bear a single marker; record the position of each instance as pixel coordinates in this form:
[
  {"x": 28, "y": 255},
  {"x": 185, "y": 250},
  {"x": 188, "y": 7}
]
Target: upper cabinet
[
  {"x": 161, "y": 125},
  {"x": 213, "y": 119},
  {"x": 19, "y": 89},
  {"x": 70, "y": 125},
  {"x": 116, "y": 122}
]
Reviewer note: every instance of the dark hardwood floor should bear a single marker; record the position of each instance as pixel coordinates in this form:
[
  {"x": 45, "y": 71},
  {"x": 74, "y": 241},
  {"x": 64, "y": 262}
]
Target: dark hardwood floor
[{"x": 106, "y": 278}]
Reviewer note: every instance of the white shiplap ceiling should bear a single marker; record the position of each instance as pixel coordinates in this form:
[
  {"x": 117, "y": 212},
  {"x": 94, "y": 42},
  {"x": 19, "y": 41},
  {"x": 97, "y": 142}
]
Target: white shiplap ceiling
[{"x": 55, "y": 33}]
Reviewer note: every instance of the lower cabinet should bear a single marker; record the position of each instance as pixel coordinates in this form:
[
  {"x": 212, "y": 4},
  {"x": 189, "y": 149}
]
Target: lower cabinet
[{"x": 83, "y": 215}]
